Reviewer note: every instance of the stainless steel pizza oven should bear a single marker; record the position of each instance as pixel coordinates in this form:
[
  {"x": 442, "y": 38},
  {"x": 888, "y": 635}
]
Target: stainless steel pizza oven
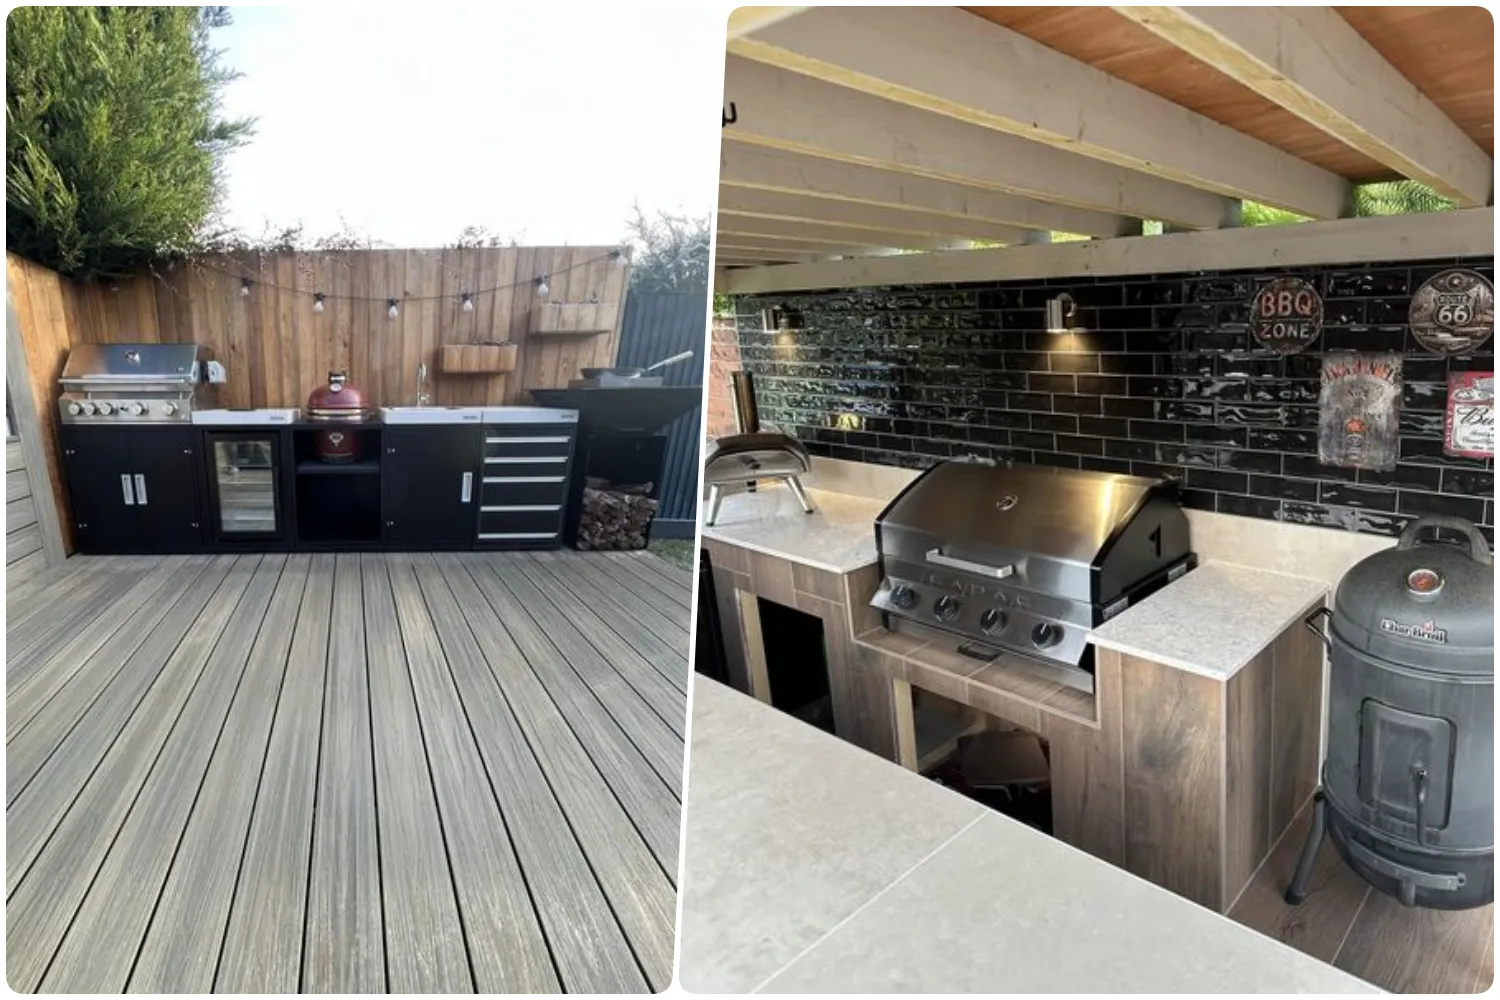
[
  {"x": 744, "y": 458},
  {"x": 1025, "y": 559}
]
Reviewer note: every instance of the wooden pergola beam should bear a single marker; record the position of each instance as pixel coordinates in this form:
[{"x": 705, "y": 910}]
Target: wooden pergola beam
[
  {"x": 735, "y": 203},
  {"x": 762, "y": 244},
  {"x": 949, "y": 62},
  {"x": 1431, "y": 236},
  {"x": 1312, "y": 62},
  {"x": 758, "y": 168},
  {"x": 795, "y": 113}
]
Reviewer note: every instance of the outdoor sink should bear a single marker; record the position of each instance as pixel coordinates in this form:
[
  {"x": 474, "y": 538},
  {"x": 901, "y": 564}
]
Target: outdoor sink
[{"x": 432, "y": 414}]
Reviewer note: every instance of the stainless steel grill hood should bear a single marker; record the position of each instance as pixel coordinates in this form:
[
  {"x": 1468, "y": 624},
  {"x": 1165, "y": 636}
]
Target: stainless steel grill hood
[
  {"x": 134, "y": 383},
  {"x": 1026, "y": 559}
]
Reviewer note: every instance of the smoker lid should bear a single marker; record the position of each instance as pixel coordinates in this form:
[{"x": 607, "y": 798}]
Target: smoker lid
[
  {"x": 1059, "y": 513},
  {"x": 132, "y": 363},
  {"x": 1427, "y": 604}
]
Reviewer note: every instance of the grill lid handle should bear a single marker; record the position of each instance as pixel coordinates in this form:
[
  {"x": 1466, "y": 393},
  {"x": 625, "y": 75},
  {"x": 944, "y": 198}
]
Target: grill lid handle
[
  {"x": 1420, "y": 531},
  {"x": 998, "y": 572}
]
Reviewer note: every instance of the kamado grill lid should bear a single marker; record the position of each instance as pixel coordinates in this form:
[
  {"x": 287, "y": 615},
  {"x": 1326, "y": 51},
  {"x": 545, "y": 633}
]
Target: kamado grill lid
[
  {"x": 1428, "y": 603},
  {"x": 338, "y": 400}
]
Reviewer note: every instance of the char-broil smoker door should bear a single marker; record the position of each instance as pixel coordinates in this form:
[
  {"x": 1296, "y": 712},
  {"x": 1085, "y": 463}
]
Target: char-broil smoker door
[{"x": 244, "y": 481}]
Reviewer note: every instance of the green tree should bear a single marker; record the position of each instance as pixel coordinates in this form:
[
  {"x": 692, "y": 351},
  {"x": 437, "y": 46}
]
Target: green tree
[
  {"x": 669, "y": 252},
  {"x": 114, "y": 140}
]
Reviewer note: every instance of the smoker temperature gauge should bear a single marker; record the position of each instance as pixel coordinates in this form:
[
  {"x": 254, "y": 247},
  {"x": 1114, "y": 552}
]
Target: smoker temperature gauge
[
  {"x": 903, "y": 597},
  {"x": 946, "y": 608},
  {"x": 993, "y": 621}
]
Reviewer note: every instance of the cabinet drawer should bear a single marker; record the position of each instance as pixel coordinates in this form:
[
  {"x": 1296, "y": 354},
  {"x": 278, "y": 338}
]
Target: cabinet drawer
[
  {"x": 525, "y": 466},
  {"x": 522, "y": 490},
  {"x": 508, "y": 519},
  {"x": 513, "y": 432},
  {"x": 535, "y": 446}
]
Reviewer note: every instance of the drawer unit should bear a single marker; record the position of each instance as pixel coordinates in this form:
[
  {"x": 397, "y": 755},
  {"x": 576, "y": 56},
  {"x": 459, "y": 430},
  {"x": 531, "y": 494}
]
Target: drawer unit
[{"x": 523, "y": 490}]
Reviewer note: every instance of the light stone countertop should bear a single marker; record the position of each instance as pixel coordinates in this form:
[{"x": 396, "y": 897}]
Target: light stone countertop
[
  {"x": 813, "y": 866},
  {"x": 839, "y": 536},
  {"x": 1212, "y": 621}
]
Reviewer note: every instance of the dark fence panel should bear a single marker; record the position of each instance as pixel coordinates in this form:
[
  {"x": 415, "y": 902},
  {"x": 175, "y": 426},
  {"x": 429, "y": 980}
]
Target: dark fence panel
[{"x": 658, "y": 325}]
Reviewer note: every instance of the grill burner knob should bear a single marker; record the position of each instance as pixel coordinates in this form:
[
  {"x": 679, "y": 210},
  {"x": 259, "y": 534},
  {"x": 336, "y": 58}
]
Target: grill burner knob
[
  {"x": 169, "y": 408},
  {"x": 106, "y": 409},
  {"x": 74, "y": 409},
  {"x": 946, "y": 608},
  {"x": 136, "y": 409},
  {"x": 993, "y": 621},
  {"x": 1046, "y": 635},
  {"x": 903, "y": 597},
  {"x": 87, "y": 408}
]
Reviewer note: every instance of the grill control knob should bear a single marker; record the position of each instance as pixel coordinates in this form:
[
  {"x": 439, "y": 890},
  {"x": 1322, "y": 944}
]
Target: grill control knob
[
  {"x": 169, "y": 408},
  {"x": 136, "y": 409},
  {"x": 993, "y": 621},
  {"x": 106, "y": 409},
  {"x": 87, "y": 408},
  {"x": 74, "y": 409},
  {"x": 1046, "y": 635},
  {"x": 903, "y": 597},
  {"x": 946, "y": 608}
]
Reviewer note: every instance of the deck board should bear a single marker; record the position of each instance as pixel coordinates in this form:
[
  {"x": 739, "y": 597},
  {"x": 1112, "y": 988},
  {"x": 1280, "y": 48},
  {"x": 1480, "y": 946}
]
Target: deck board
[{"x": 343, "y": 774}]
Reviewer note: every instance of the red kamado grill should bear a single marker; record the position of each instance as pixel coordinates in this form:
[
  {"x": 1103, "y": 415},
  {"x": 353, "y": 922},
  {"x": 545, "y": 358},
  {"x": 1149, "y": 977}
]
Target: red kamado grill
[
  {"x": 1408, "y": 782},
  {"x": 337, "y": 402}
]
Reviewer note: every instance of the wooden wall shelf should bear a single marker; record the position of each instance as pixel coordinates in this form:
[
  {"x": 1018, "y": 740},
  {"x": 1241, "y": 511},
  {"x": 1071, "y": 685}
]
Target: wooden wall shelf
[
  {"x": 574, "y": 319},
  {"x": 477, "y": 359}
]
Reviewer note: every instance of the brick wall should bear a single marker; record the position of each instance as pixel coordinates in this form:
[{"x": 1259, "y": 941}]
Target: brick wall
[
  {"x": 1166, "y": 381},
  {"x": 723, "y": 359}
]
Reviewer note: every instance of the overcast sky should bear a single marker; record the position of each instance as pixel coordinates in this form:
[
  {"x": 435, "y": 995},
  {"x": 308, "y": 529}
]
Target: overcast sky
[{"x": 544, "y": 124}]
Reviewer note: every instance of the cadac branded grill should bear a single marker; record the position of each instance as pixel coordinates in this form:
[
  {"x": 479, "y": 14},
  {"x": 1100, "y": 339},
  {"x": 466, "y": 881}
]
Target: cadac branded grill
[{"x": 1025, "y": 559}]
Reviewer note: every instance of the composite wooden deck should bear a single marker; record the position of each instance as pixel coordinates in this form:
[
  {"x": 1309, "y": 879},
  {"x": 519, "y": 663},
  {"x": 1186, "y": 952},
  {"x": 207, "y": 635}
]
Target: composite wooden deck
[{"x": 345, "y": 773}]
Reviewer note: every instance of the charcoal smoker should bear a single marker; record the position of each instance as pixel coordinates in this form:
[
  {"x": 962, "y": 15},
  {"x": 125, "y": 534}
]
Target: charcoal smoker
[{"x": 1408, "y": 782}]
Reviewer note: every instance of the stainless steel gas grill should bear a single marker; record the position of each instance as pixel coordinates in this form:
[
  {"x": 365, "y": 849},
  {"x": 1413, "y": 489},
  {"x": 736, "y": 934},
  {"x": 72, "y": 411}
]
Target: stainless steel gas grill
[
  {"x": 135, "y": 383},
  {"x": 1025, "y": 559}
]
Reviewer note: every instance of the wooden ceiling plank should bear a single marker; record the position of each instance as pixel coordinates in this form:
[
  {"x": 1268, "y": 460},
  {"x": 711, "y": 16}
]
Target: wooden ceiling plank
[
  {"x": 763, "y": 244},
  {"x": 763, "y": 169},
  {"x": 747, "y": 20},
  {"x": 949, "y": 62},
  {"x": 1430, "y": 236},
  {"x": 793, "y": 112},
  {"x": 796, "y": 208},
  {"x": 1311, "y": 62},
  {"x": 831, "y": 232}
]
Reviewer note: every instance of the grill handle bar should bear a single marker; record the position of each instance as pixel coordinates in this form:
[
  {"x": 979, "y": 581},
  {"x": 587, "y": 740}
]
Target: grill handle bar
[
  {"x": 998, "y": 572},
  {"x": 1423, "y": 528},
  {"x": 1419, "y": 779},
  {"x": 1311, "y": 621}
]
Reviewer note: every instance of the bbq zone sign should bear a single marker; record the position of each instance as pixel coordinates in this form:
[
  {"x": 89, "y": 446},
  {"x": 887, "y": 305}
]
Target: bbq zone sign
[{"x": 1287, "y": 315}]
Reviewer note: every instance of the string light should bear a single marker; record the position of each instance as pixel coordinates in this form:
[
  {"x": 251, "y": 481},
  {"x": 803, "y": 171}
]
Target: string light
[
  {"x": 620, "y": 257},
  {"x": 392, "y": 312},
  {"x": 317, "y": 302},
  {"x": 244, "y": 287},
  {"x": 541, "y": 286},
  {"x": 468, "y": 300}
]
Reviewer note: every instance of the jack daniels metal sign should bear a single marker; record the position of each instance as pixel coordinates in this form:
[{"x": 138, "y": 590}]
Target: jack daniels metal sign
[{"x": 1359, "y": 410}]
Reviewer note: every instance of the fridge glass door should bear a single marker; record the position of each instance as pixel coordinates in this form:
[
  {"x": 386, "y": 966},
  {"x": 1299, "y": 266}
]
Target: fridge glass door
[{"x": 245, "y": 474}]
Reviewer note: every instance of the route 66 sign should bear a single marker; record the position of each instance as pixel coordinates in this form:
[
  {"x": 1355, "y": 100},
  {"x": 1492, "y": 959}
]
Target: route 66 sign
[
  {"x": 1453, "y": 312},
  {"x": 1286, "y": 315}
]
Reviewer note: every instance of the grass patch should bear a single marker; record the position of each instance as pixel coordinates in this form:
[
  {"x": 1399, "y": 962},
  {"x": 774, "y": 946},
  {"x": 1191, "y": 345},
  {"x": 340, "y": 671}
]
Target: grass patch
[{"x": 680, "y": 552}]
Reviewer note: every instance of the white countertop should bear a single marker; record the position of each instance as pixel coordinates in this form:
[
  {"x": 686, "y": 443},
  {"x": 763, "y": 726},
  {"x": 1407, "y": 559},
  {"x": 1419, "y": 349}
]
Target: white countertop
[
  {"x": 812, "y": 866},
  {"x": 1212, "y": 621},
  {"x": 839, "y": 536}
]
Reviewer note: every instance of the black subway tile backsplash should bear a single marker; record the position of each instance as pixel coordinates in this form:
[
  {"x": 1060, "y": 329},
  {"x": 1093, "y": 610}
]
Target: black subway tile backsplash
[{"x": 1165, "y": 381}]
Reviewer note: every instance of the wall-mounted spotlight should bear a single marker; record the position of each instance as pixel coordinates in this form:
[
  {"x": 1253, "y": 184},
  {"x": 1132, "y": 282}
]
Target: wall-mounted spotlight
[{"x": 1062, "y": 314}]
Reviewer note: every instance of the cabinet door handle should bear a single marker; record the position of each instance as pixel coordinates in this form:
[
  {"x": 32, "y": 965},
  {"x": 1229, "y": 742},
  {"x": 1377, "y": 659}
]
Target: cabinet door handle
[
  {"x": 140, "y": 489},
  {"x": 127, "y": 490},
  {"x": 466, "y": 493}
]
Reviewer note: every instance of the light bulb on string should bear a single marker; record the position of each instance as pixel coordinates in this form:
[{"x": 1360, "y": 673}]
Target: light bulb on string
[
  {"x": 468, "y": 300},
  {"x": 620, "y": 257},
  {"x": 541, "y": 286},
  {"x": 244, "y": 287},
  {"x": 392, "y": 312},
  {"x": 317, "y": 302}
]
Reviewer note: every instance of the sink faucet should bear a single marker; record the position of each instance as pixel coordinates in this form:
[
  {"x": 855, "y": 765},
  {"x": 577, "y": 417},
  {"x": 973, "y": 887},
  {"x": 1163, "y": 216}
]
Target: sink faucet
[{"x": 423, "y": 397}]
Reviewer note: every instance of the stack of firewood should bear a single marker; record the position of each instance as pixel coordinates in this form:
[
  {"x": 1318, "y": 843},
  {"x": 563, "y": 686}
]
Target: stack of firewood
[{"x": 615, "y": 516}]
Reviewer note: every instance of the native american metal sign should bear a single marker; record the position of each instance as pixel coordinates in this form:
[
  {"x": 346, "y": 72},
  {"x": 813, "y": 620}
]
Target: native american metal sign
[
  {"x": 1359, "y": 419},
  {"x": 1469, "y": 425},
  {"x": 1453, "y": 312},
  {"x": 1286, "y": 315}
]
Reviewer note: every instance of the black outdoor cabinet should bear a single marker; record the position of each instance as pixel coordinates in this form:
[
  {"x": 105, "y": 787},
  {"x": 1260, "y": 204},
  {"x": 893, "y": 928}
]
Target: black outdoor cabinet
[
  {"x": 133, "y": 489},
  {"x": 430, "y": 485}
]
